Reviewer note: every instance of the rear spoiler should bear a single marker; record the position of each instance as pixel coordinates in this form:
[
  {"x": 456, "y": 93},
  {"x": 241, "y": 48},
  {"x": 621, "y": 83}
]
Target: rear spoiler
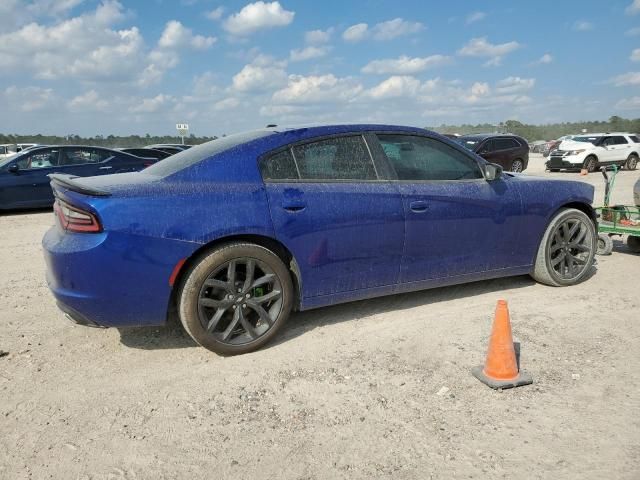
[{"x": 69, "y": 182}]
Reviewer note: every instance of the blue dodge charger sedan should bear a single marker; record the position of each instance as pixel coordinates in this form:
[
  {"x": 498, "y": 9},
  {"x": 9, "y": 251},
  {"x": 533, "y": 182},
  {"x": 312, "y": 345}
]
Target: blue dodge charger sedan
[{"x": 236, "y": 233}]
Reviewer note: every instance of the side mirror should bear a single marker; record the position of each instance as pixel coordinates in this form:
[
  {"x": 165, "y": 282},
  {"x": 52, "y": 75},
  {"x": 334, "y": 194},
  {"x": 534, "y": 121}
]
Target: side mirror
[
  {"x": 13, "y": 168},
  {"x": 492, "y": 171}
]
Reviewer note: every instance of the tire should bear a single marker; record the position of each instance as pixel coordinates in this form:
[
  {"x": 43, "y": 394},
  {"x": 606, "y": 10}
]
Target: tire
[
  {"x": 221, "y": 309},
  {"x": 517, "y": 166},
  {"x": 632, "y": 162},
  {"x": 590, "y": 164},
  {"x": 633, "y": 243},
  {"x": 556, "y": 258},
  {"x": 605, "y": 244}
]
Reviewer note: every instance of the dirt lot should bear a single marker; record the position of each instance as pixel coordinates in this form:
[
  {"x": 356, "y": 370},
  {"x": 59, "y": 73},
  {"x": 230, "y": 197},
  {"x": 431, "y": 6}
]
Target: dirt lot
[{"x": 353, "y": 391}]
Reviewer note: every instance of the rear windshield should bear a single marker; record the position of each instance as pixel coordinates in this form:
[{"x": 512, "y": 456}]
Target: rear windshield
[
  {"x": 186, "y": 158},
  {"x": 586, "y": 139}
]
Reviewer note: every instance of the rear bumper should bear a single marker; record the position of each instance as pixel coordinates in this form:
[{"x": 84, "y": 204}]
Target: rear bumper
[{"x": 112, "y": 279}]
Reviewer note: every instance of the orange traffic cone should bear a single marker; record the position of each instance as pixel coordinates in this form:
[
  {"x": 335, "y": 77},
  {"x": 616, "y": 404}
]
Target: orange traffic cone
[{"x": 501, "y": 368}]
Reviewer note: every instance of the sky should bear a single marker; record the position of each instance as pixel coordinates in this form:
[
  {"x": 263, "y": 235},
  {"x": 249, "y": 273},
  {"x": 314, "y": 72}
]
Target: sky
[{"x": 134, "y": 67}]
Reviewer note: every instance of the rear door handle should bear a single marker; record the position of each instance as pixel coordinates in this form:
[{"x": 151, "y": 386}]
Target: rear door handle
[
  {"x": 294, "y": 205},
  {"x": 105, "y": 168},
  {"x": 419, "y": 206}
]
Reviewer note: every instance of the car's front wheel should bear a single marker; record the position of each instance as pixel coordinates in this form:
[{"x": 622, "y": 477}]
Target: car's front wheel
[
  {"x": 517, "y": 166},
  {"x": 235, "y": 298},
  {"x": 565, "y": 255},
  {"x": 590, "y": 164}
]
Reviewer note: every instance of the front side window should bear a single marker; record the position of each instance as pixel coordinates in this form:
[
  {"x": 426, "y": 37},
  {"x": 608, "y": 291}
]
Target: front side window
[
  {"x": 608, "y": 141},
  {"x": 40, "y": 159},
  {"x": 421, "y": 158},
  {"x": 341, "y": 158}
]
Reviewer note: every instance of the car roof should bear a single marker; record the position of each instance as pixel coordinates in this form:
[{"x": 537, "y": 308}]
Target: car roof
[{"x": 482, "y": 136}]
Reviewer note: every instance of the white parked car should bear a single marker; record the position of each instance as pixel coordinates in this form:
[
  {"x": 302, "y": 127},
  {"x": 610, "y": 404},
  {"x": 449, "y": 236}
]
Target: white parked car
[
  {"x": 591, "y": 151},
  {"x": 8, "y": 149}
]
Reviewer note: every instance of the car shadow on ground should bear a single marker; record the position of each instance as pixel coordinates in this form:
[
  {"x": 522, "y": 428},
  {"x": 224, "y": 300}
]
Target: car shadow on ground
[
  {"x": 620, "y": 246},
  {"x": 172, "y": 336},
  {"x": 24, "y": 211}
]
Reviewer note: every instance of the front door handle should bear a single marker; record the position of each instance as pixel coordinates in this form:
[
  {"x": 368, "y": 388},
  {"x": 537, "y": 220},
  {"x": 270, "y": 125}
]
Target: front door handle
[
  {"x": 105, "y": 168},
  {"x": 294, "y": 205},
  {"x": 419, "y": 206}
]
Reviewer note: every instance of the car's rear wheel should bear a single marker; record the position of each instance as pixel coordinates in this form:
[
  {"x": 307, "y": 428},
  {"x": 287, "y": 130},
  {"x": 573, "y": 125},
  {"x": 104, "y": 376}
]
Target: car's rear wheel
[
  {"x": 632, "y": 162},
  {"x": 235, "y": 298},
  {"x": 633, "y": 243},
  {"x": 605, "y": 244},
  {"x": 590, "y": 164},
  {"x": 565, "y": 255},
  {"x": 517, "y": 166}
]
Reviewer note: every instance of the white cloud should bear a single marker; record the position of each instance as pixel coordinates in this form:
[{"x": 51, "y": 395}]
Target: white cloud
[
  {"x": 226, "y": 104},
  {"x": 395, "y": 86},
  {"x": 176, "y": 35},
  {"x": 633, "y": 32},
  {"x": 382, "y": 31},
  {"x": 258, "y": 16},
  {"x": 405, "y": 65},
  {"x": 215, "y": 14},
  {"x": 544, "y": 59},
  {"x": 318, "y": 37},
  {"x": 355, "y": 33},
  {"x": 317, "y": 89},
  {"x": 152, "y": 105},
  {"x": 635, "y": 55},
  {"x": 475, "y": 17},
  {"x": 626, "y": 79},
  {"x": 515, "y": 84},
  {"x": 29, "y": 99},
  {"x": 582, "y": 26},
  {"x": 632, "y": 103},
  {"x": 395, "y": 28},
  {"x": 256, "y": 78},
  {"x": 481, "y": 47},
  {"x": 633, "y": 8},
  {"x": 88, "y": 101},
  {"x": 307, "y": 53}
]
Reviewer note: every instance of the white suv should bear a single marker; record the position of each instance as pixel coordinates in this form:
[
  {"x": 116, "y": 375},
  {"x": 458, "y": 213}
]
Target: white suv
[{"x": 593, "y": 150}]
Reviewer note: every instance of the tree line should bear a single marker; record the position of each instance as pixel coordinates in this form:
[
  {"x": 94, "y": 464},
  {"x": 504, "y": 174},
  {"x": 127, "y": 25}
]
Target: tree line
[
  {"x": 545, "y": 132},
  {"x": 529, "y": 131},
  {"x": 110, "y": 141}
]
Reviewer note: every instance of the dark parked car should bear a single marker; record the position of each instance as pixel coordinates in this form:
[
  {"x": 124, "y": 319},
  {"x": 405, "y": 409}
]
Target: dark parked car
[
  {"x": 509, "y": 151},
  {"x": 23, "y": 177},
  {"x": 170, "y": 148},
  {"x": 146, "y": 153},
  {"x": 236, "y": 233}
]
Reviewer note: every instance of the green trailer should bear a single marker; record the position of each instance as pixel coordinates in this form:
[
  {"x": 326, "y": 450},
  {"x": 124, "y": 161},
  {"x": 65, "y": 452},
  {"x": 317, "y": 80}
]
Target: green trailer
[{"x": 616, "y": 219}]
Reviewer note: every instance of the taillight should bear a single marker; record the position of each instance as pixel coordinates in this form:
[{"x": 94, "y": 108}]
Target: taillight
[{"x": 74, "y": 219}]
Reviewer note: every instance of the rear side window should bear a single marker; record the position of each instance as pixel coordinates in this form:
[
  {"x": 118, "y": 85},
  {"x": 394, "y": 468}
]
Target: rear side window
[
  {"x": 421, "y": 158},
  {"x": 634, "y": 139},
  {"x": 618, "y": 140},
  {"x": 279, "y": 167},
  {"x": 505, "y": 143},
  {"x": 341, "y": 158}
]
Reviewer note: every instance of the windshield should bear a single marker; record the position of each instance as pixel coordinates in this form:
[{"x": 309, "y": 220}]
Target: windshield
[
  {"x": 468, "y": 142},
  {"x": 586, "y": 139},
  {"x": 191, "y": 156}
]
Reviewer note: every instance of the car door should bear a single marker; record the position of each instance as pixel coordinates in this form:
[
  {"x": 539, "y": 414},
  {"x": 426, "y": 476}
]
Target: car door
[
  {"x": 29, "y": 185},
  {"x": 457, "y": 223},
  {"x": 607, "y": 153},
  {"x": 335, "y": 211},
  {"x": 84, "y": 162}
]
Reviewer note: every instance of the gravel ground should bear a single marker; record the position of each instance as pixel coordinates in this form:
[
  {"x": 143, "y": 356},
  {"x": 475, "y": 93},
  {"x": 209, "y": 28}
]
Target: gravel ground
[{"x": 363, "y": 390}]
